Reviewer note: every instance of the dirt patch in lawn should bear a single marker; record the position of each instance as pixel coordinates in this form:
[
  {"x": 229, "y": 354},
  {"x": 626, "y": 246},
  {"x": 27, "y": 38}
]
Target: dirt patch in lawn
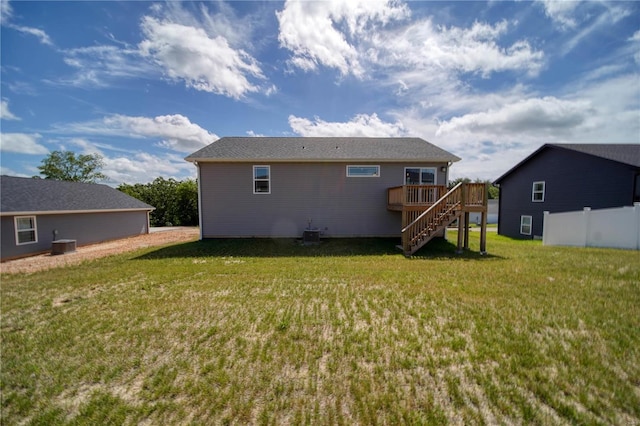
[{"x": 95, "y": 251}]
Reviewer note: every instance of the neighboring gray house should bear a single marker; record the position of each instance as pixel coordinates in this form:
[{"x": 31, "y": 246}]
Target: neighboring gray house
[
  {"x": 342, "y": 187},
  {"x": 566, "y": 177},
  {"x": 35, "y": 212}
]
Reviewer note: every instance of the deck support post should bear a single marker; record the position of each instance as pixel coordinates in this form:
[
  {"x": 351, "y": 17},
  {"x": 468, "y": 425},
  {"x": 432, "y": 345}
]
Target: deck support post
[
  {"x": 483, "y": 223},
  {"x": 462, "y": 220},
  {"x": 466, "y": 230},
  {"x": 460, "y": 233},
  {"x": 483, "y": 233}
]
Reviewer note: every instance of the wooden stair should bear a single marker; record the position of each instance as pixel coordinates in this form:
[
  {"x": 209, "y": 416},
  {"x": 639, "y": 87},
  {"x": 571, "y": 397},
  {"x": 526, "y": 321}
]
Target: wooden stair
[{"x": 452, "y": 206}]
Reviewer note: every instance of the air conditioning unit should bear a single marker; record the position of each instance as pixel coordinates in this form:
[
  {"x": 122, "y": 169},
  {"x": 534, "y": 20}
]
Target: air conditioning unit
[
  {"x": 63, "y": 246},
  {"x": 311, "y": 236}
]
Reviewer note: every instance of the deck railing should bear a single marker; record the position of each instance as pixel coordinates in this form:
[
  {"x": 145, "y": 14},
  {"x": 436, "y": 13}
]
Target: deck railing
[
  {"x": 445, "y": 210},
  {"x": 475, "y": 194},
  {"x": 416, "y": 195}
]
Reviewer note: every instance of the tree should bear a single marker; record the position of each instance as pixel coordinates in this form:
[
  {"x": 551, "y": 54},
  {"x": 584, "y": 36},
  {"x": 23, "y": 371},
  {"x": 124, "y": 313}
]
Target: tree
[
  {"x": 494, "y": 191},
  {"x": 176, "y": 202},
  {"x": 66, "y": 165}
]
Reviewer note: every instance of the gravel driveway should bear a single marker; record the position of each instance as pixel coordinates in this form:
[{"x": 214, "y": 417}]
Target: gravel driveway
[{"x": 157, "y": 237}]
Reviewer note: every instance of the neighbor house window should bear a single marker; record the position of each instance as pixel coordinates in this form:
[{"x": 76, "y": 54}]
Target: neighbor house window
[
  {"x": 261, "y": 179},
  {"x": 363, "y": 171},
  {"x": 537, "y": 193},
  {"x": 26, "y": 232},
  {"x": 525, "y": 225},
  {"x": 419, "y": 176}
]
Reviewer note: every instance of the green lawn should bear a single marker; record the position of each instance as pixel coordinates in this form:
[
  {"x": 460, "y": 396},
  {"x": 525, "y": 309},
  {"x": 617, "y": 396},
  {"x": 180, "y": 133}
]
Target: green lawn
[{"x": 347, "y": 332}]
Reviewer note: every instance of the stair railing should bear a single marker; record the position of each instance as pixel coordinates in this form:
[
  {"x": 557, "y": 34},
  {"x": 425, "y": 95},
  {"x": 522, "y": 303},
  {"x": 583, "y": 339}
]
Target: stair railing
[{"x": 431, "y": 219}]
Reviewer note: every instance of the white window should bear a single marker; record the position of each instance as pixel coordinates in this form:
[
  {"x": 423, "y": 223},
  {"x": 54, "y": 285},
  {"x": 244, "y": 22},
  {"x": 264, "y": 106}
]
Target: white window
[
  {"x": 419, "y": 175},
  {"x": 261, "y": 179},
  {"x": 537, "y": 192},
  {"x": 363, "y": 171},
  {"x": 26, "y": 231},
  {"x": 525, "y": 225}
]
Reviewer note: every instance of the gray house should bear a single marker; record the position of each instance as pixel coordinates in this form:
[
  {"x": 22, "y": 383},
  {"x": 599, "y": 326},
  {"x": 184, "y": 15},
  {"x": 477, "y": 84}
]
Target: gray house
[
  {"x": 342, "y": 187},
  {"x": 566, "y": 177},
  {"x": 35, "y": 212}
]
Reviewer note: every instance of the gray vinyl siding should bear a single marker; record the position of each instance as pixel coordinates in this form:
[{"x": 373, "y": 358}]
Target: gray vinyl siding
[
  {"x": 85, "y": 228},
  {"x": 573, "y": 180},
  {"x": 338, "y": 205}
]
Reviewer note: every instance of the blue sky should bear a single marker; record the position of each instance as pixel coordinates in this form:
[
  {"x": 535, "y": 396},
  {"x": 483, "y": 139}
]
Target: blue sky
[{"x": 145, "y": 84}]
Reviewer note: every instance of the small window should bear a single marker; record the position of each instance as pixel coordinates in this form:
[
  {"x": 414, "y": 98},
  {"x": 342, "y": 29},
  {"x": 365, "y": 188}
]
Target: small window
[
  {"x": 537, "y": 193},
  {"x": 525, "y": 225},
  {"x": 419, "y": 176},
  {"x": 26, "y": 232},
  {"x": 261, "y": 179},
  {"x": 363, "y": 171}
]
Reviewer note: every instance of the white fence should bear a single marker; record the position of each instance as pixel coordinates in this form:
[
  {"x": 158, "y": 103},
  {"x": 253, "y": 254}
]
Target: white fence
[{"x": 615, "y": 228}]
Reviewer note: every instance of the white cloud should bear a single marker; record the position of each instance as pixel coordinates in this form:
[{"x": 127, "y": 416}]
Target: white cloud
[
  {"x": 98, "y": 65},
  {"x": 494, "y": 132},
  {"x": 22, "y": 143},
  {"x": 354, "y": 38},
  {"x": 5, "y": 11},
  {"x": 6, "y": 14},
  {"x": 561, "y": 12},
  {"x": 5, "y": 114},
  {"x": 36, "y": 32},
  {"x": 541, "y": 116},
  {"x": 176, "y": 131},
  {"x": 600, "y": 20},
  {"x": 635, "y": 42},
  {"x": 200, "y": 51},
  {"x": 444, "y": 50},
  {"x": 143, "y": 167},
  {"x": 10, "y": 172},
  {"x": 360, "y": 125},
  {"x": 203, "y": 62},
  {"x": 133, "y": 166},
  {"x": 327, "y": 33}
]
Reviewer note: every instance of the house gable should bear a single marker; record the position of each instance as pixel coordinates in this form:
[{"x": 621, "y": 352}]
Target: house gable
[{"x": 572, "y": 177}]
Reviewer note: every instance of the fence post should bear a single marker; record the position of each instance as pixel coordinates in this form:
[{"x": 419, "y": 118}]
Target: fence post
[
  {"x": 587, "y": 226},
  {"x": 545, "y": 227},
  {"x": 636, "y": 210}
]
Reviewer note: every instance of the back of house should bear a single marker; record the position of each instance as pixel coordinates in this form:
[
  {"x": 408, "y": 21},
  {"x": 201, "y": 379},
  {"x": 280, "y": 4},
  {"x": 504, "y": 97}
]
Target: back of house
[{"x": 279, "y": 187}]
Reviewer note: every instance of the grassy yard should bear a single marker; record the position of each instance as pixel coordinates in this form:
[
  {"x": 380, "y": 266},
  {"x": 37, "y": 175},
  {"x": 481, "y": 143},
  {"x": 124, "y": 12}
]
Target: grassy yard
[{"x": 347, "y": 332}]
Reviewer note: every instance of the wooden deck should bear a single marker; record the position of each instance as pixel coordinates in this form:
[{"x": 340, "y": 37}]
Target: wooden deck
[{"x": 427, "y": 210}]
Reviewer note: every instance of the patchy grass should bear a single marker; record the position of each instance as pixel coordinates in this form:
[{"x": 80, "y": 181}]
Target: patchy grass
[{"x": 346, "y": 332}]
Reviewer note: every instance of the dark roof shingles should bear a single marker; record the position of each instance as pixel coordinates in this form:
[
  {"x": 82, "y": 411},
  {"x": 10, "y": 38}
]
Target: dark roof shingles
[
  {"x": 43, "y": 195},
  {"x": 622, "y": 153},
  {"x": 321, "y": 149}
]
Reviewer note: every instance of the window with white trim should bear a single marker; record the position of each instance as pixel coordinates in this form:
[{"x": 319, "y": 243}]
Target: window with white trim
[
  {"x": 537, "y": 192},
  {"x": 26, "y": 230},
  {"x": 261, "y": 179},
  {"x": 526, "y": 225},
  {"x": 419, "y": 175},
  {"x": 363, "y": 171}
]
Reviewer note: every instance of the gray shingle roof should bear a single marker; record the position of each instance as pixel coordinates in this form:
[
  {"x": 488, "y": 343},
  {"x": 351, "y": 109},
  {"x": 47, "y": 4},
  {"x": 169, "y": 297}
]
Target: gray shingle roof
[
  {"x": 292, "y": 149},
  {"x": 621, "y": 153},
  {"x": 43, "y": 195}
]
